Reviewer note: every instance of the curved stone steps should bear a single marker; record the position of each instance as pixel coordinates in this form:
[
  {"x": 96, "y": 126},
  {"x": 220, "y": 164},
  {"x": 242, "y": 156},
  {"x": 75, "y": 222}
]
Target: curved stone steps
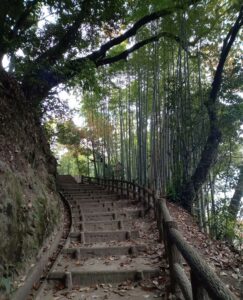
[{"x": 109, "y": 244}]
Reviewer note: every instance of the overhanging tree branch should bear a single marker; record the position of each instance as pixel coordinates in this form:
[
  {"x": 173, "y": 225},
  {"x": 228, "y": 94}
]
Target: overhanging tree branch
[
  {"x": 51, "y": 78},
  {"x": 101, "y": 53},
  {"x": 126, "y": 53},
  {"x": 53, "y": 54},
  {"x": 42, "y": 68},
  {"x": 155, "y": 38}
]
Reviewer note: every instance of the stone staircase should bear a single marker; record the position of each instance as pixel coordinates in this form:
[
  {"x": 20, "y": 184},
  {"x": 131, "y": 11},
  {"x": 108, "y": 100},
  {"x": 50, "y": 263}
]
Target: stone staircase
[{"x": 111, "y": 251}]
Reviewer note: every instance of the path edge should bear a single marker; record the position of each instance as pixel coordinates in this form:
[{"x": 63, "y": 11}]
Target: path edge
[{"x": 34, "y": 274}]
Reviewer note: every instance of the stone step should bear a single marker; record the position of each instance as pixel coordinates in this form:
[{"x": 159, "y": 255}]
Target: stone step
[
  {"x": 82, "y": 189},
  {"x": 120, "y": 203},
  {"x": 88, "y": 252},
  {"x": 101, "y": 202},
  {"x": 87, "y": 192},
  {"x": 114, "y": 291},
  {"x": 90, "y": 202},
  {"x": 109, "y": 216},
  {"x": 85, "y": 202},
  {"x": 79, "y": 209},
  {"x": 103, "y": 225},
  {"x": 79, "y": 184},
  {"x": 94, "y": 195},
  {"x": 90, "y": 210},
  {"x": 75, "y": 279},
  {"x": 89, "y": 185},
  {"x": 94, "y": 201},
  {"x": 89, "y": 237},
  {"x": 94, "y": 207}
]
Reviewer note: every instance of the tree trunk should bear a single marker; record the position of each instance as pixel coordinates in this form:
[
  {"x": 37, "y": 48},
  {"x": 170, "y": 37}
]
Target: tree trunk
[
  {"x": 199, "y": 177},
  {"x": 94, "y": 159},
  {"x": 191, "y": 188},
  {"x": 234, "y": 206}
]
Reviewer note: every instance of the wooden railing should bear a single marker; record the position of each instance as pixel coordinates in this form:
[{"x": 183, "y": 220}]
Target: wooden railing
[{"x": 202, "y": 283}]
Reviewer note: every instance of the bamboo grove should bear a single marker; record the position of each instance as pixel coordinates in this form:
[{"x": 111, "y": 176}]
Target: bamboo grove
[{"x": 145, "y": 120}]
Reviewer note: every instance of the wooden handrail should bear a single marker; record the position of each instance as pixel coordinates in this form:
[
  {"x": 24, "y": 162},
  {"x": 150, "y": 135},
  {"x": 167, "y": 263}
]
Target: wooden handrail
[
  {"x": 203, "y": 282},
  {"x": 209, "y": 280}
]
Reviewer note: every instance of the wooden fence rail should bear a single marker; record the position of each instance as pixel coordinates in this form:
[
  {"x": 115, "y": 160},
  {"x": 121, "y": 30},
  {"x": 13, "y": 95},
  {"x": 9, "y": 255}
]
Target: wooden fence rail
[{"x": 202, "y": 283}]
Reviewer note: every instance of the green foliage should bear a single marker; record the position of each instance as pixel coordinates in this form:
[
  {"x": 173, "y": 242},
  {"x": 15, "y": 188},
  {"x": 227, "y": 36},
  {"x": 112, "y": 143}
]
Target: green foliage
[
  {"x": 142, "y": 8},
  {"x": 117, "y": 49},
  {"x": 68, "y": 164},
  {"x": 171, "y": 192},
  {"x": 226, "y": 227},
  {"x": 5, "y": 285},
  {"x": 55, "y": 18},
  {"x": 68, "y": 134},
  {"x": 86, "y": 78},
  {"x": 50, "y": 128},
  {"x": 71, "y": 148}
]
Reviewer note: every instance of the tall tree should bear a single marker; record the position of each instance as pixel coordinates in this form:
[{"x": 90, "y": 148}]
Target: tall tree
[{"x": 210, "y": 150}]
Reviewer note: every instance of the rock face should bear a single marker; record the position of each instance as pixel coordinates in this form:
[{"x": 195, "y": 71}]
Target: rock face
[{"x": 29, "y": 204}]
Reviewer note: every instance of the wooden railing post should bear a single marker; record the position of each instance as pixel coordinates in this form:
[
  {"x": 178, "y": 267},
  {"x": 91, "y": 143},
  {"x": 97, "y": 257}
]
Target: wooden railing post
[
  {"x": 165, "y": 218},
  {"x": 159, "y": 220},
  {"x": 198, "y": 291},
  {"x": 174, "y": 257}
]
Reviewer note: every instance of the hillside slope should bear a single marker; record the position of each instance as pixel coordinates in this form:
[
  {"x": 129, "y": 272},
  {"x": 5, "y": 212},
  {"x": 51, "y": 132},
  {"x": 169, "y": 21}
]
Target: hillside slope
[
  {"x": 226, "y": 262},
  {"x": 29, "y": 205}
]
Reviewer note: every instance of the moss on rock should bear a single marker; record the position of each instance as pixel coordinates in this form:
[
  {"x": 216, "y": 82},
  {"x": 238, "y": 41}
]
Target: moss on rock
[{"x": 29, "y": 211}]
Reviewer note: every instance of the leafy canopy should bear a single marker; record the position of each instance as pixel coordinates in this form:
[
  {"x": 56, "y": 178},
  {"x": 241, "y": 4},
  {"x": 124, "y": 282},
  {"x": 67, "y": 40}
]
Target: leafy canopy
[{"x": 50, "y": 42}]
